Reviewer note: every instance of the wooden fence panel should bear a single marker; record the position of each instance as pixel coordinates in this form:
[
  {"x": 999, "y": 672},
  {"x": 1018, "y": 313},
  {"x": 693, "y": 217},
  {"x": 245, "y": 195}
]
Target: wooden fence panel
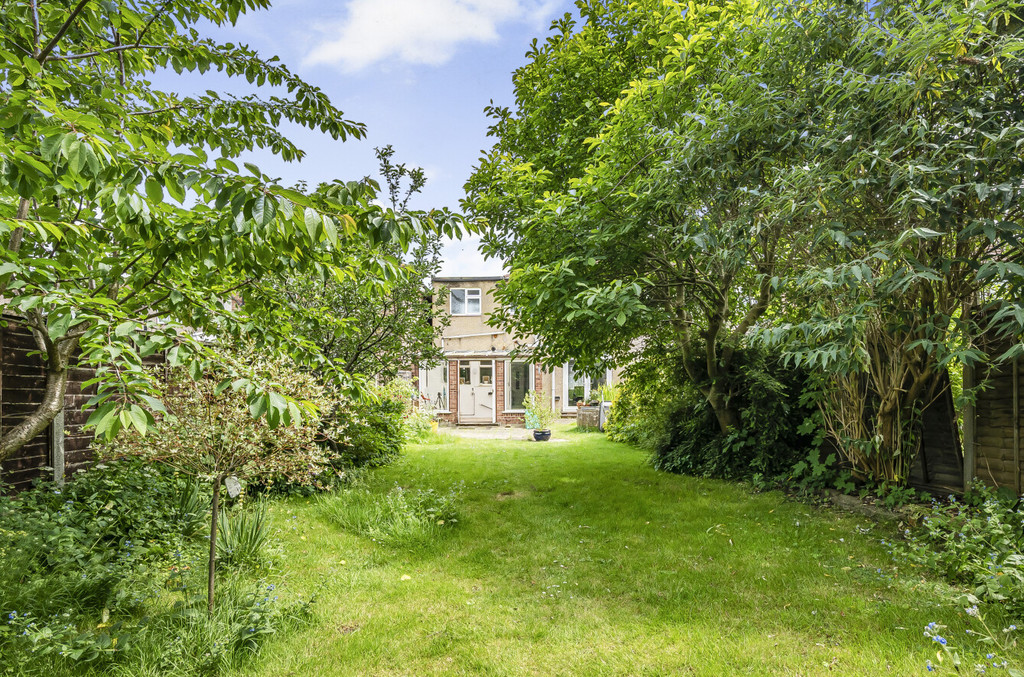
[
  {"x": 939, "y": 466},
  {"x": 993, "y": 426},
  {"x": 22, "y": 384}
]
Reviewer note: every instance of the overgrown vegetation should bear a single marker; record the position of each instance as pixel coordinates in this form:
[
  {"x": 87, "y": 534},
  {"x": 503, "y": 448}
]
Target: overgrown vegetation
[
  {"x": 392, "y": 515},
  {"x": 108, "y": 573},
  {"x": 660, "y": 410},
  {"x": 976, "y": 541},
  {"x": 839, "y": 181}
]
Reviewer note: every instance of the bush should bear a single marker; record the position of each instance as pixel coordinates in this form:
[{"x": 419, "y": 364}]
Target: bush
[
  {"x": 209, "y": 429},
  {"x": 108, "y": 574},
  {"x": 976, "y": 542},
  {"x": 364, "y": 433},
  {"x": 75, "y": 562},
  {"x": 661, "y": 410},
  {"x": 71, "y": 547},
  {"x": 337, "y": 432}
]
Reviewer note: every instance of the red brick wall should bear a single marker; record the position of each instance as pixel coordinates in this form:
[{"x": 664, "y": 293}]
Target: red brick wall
[
  {"x": 501, "y": 416},
  {"x": 453, "y": 394},
  {"x": 499, "y": 389}
]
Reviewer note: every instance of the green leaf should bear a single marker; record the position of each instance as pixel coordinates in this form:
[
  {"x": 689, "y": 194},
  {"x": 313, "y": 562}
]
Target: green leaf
[
  {"x": 330, "y": 230},
  {"x": 58, "y": 325},
  {"x": 153, "y": 403},
  {"x": 258, "y": 405},
  {"x": 154, "y": 190},
  {"x": 140, "y": 418},
  {"x": 264, "y": 208}
]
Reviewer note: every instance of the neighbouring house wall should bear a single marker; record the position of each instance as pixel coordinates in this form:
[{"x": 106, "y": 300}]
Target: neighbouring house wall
[
  {"x": 471, "y": 333},
  {"x": 469, "y": 337}
]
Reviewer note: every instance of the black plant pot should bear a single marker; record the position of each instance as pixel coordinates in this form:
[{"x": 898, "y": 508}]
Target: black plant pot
[{"x": 541, "y": 435}]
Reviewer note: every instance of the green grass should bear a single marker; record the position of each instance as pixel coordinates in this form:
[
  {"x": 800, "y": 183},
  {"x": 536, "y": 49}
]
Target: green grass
[{"x": 576, "y": 558}]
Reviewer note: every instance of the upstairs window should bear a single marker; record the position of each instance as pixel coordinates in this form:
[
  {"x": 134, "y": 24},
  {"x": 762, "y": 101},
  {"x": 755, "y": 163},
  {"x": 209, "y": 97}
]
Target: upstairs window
[{"x": 465, "y": 302}]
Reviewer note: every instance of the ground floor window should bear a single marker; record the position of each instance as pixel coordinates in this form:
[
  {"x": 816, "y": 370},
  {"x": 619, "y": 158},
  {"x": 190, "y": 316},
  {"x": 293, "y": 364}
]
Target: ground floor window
[
  {"x": 434, "y": 386},
  {"x": 518, "y": 382},
  {"x": 578, "y": 385}
]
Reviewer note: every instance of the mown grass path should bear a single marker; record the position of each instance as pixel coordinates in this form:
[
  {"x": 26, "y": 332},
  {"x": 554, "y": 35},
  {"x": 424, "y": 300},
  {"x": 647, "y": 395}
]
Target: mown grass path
[{"x": 576, "y": 558}]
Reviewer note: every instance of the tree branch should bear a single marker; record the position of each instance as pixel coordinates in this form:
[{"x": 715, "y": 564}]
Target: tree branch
[
  {"x": 45, "y": 53},
  {"x": 35, "y": 25},
  {"x": 14, "y": 244},
  {"x": 100, "y": 52}
]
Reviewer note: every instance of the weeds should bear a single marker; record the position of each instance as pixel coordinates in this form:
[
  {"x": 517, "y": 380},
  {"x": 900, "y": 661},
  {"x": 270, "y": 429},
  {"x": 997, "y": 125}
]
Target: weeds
[
  {"x": 396, "y": 516},
  {"x": 243, "y": 537}
]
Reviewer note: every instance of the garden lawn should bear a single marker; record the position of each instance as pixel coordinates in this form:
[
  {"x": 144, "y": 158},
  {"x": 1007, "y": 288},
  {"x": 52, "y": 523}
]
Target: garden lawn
[{"x": 576, "y": 558}]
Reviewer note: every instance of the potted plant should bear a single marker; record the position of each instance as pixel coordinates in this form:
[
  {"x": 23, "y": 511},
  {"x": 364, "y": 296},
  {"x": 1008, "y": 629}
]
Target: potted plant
[{"x": 539, "y": 415}]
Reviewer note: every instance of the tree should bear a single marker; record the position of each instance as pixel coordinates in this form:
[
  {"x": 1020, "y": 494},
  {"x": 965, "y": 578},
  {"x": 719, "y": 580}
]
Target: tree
[
  {"x": 208, "y": 433},
  {"x": 660, "y": 233},
  {"x": 129, "y": 228},
  {"x": 840, "y": 180},
  {"x": 915, "y": 190},
  {"x": 364, "y": 329}
]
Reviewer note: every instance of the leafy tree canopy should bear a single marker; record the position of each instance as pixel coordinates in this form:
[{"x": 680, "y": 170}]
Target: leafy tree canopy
[
  {"x": 366, "y": 330},
  {"x": 128, "y": 226},
  {"x": 841, "y": 180}
]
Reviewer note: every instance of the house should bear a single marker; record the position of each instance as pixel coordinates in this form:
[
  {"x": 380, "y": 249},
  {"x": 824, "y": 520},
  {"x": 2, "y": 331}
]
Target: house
[{"x": 481, "y": 382}]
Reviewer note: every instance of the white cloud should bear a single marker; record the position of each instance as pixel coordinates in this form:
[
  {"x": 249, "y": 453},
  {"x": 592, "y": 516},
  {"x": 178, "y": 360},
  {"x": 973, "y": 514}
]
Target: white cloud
[
  {"x": 416, "y": 31},
  {"x": 462, "y": 258}
]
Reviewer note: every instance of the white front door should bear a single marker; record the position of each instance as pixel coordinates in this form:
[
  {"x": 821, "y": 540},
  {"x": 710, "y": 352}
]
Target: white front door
[{"x": 476, "y": 391}]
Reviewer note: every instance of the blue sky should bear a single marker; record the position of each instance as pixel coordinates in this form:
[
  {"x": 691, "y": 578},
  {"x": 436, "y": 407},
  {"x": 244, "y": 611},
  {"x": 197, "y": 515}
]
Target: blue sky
[{"x": 418, "y": 73}]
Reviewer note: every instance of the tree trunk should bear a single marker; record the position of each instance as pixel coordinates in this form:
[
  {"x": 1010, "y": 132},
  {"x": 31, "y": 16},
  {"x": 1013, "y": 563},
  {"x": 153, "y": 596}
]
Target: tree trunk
[
  {"x": 728, "y": 418},
  {"x": 215, "y": 514},
  {"x": 36, "y": 422}
]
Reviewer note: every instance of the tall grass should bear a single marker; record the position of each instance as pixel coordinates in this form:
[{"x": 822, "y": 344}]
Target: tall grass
[
  {"x": 394, "y": 516},
  {"x": 243, "y": 537}
]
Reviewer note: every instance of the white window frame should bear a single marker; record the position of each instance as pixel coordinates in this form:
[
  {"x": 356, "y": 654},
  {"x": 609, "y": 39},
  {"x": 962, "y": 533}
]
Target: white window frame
[
  {"x": 529, "y": 385},
  {"x": 571, "y": 406},
  {"x": 445, "y": 367},
  {"x": 470, "y": 292}
]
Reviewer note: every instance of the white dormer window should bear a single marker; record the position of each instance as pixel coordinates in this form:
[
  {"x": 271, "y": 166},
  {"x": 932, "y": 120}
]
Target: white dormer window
[{"x": 465, "y": 302}]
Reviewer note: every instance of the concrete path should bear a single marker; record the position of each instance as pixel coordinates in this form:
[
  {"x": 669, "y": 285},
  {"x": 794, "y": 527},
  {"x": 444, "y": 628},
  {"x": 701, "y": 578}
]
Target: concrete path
[{"x": 493, "y": 432}]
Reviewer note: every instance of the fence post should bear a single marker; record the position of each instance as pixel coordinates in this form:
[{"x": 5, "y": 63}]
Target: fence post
[
  {"x": 57, "y": 447},
  {"x": 1016, "y": 423},
  {"x": 969, "y": 422}
]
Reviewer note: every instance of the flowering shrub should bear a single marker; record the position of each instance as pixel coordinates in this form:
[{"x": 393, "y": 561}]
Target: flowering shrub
[{"x": 211, "y": 429}]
